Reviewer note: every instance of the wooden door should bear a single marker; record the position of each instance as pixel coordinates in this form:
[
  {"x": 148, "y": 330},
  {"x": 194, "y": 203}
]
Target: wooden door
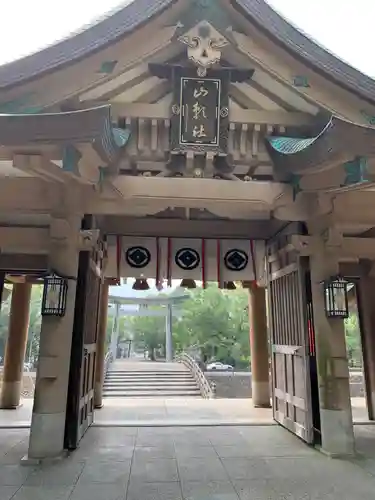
[
  {"x": 290, "y": 349},
  {"x": 80, "y": 404}
]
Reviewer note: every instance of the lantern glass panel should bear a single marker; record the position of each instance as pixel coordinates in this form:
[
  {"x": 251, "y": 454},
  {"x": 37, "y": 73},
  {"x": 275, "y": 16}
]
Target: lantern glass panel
[
  {"x": 336, "y": 298},
  {"x": 54, "y": 296}
]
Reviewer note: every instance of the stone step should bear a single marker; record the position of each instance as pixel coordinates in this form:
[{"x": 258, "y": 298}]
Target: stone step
[
  {"x": 156, "y": 387},
  {"x": 152, "y": 394},
  {"x": 130, "y": 380},
  {"x": 151, "y": 389},
  {"x": 147, "y": 379},
  {"x": 149, "y": 374},
  {"x": 150, "y": 382}
]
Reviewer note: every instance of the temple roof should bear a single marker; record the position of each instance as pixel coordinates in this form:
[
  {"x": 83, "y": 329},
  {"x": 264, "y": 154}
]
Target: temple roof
[
  {"x": 134, "y": 15},
  {"x": 338, "y": 142},
  {"x": 91, "y": 126}
]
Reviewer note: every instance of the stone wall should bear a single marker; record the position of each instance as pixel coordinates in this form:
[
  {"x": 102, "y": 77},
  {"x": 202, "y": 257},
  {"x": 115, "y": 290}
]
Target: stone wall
[
  {"x": 231, "y": 384},
  {"x": 238, "y": 384},
  {"x": 357, "y": 385}
]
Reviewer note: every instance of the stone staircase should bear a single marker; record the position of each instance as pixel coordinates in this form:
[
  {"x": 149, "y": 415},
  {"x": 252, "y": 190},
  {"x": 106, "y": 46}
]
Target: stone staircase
[{"x": 143, "y": 379}]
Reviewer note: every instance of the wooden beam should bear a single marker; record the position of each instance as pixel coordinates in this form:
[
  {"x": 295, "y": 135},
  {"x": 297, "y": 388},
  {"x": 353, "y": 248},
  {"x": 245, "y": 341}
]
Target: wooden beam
[
  {"x": 352, "y": 269},
  {"x": 178, "y": 228},
  {"x": 361, "y": 248},
  {"x": 182, "y": 192},
  {"x": 22, "y": 262},
  {"x": 24, "y": 240},
  {"x": 284, "y": 118},
  {"x": 156, "y": 93},
  {"x": 243, "y": 100},
  {"x": 162, "y": 111},
  {"x": 117, "y": 85},
  {"x": 27, "y": 194}
]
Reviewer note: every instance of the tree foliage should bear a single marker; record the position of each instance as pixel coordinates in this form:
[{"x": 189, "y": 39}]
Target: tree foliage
[
  {"x": 215, "y": 324},
  {"x": 32, "y": 347},
  {"x": 353, "y": 340},
  {"x": 213, "y": 321}
]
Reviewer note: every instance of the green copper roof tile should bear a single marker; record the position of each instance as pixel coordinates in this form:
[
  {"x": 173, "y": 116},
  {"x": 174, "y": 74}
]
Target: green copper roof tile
[
  {"x": 356, "y": 171},
  {"x": 70, "y": 160},
  {"x": 290, "y": 145},
  {"x": 121, "y": 136},
  {"x": 301, "y": 81},
  {"x": 107, "y": 67}
]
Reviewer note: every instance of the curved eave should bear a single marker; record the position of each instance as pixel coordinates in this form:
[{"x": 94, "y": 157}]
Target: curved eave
[
  {"x": 91, "y": 126},
  {"x": 339, "y": 141},
  {"x": 83, "y": 44},
  {"x": 312, "y": 54}
]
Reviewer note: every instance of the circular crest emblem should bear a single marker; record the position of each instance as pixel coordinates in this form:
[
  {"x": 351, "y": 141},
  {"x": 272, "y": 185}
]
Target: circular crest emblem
[
  {"x": 176, "y": 109},
  {"x": 224, "y": 112},
  {"x": 236, "y": 260},
  {"x": 187, "y": 259},
  {"x": 138, "y": 257}
]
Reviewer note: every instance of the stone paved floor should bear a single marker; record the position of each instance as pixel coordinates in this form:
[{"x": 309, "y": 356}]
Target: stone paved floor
[
  {"x": 174, "y": 411},
  {"x": 200, "y": 463},
  {"x": 159, "y": 411}
]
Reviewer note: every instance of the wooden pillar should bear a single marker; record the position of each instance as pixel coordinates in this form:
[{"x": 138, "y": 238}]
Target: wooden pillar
[
  {"x": 52, "y": 378},
  {"x": 100, "y": 345},
  {"x": 260, "y": 378},
  {"x": 366, "y": 307},
  {"x": 16, "y": 346},
  {"x": 332, "y": 363}
]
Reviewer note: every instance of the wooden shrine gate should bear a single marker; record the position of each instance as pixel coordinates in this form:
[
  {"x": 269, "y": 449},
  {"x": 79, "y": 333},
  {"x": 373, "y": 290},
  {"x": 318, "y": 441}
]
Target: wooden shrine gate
[
  {"x": 80, "y": 403},
  {"x": 290, "y": 344}
]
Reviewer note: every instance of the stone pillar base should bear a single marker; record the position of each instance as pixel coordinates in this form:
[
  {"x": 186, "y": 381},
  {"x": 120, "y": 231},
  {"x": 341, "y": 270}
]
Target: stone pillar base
[
  {"x": 26, "y": 460},
  {"x": 98, "y": 395},
  {"x": 10, "y": 395},
  {"x": 46, "y": 436},
  {"x": 372, "y": 403},
  {"x": 337, "y": 433},
  {"x": 261, "y": 394}
]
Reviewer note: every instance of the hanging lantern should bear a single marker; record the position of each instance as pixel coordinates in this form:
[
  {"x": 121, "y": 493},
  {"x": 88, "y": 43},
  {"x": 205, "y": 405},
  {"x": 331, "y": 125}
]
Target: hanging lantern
[
  {"x": 336, "y": 298},
  {"x": 189, "y": 284},
  {"x": 54, "y": 296},
  {"x": 229, "y": 285},
  {"x": 141, "y": 284}
]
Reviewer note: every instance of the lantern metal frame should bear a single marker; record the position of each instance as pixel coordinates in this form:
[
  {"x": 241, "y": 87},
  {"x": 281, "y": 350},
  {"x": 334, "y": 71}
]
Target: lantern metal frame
[
  {"x": 336, "y": 303},
  {"x": 58, "y": 286}
]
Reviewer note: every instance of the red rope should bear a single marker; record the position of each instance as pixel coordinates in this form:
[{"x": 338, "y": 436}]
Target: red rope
[
  {"x": 169, "y": 257},
  {"x": 218, "y": 262},
  {"x": 203, "y": 263}
]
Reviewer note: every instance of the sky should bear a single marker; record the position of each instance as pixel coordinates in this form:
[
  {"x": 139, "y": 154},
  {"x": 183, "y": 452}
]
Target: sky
[{"x": 345, "y": 27}]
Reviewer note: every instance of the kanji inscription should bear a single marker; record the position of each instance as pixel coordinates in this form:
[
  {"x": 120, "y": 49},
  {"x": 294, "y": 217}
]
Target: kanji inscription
[{"x": 200, "y": 111}]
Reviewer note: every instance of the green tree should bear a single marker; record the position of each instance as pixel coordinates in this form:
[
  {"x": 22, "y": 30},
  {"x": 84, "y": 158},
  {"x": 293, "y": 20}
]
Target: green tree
[
  {"x": 4, "y": 321},
  {"x": 32, "y": 347},
  {"x": 149, "y": 332},
  {"x": 353, "y": 340},
  {"x": 215, "y": 322}
]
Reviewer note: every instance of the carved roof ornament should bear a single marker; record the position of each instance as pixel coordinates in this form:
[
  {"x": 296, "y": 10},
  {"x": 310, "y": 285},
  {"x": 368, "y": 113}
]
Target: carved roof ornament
[{"x": 204, "y": 43}]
